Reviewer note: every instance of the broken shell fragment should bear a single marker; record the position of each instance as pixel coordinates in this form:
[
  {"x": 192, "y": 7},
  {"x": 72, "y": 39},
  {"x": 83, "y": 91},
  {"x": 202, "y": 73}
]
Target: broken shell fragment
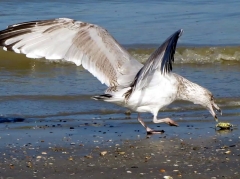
[
  {"x": 121, "y": 153},
  {"x": 88, "y": 156},
  {"x": 103, "y": 153},
  {"x": 162, "y": 170},
  {"x": 227, "y": 152},
  {"x": 168, "y": 177}
]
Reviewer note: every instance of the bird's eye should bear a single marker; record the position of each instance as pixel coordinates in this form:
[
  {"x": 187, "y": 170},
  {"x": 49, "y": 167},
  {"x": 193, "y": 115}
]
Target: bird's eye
[{"x": 212, "y": 98}]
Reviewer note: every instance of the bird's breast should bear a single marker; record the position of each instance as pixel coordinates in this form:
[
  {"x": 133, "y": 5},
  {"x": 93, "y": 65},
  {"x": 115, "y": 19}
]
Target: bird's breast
[{"x": 154, "y": 96}]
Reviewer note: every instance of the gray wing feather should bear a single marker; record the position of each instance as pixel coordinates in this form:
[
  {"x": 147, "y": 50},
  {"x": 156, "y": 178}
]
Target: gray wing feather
[
  {"x": 82, "y": 43},
  {"x": 161, "y": 59}
]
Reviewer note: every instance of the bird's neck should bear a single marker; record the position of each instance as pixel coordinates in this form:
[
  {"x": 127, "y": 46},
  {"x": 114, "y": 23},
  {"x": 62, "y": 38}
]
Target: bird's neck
[{"x": 189, "y": 91}]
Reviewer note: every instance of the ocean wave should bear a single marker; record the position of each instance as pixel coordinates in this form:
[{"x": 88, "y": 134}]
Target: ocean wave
[
  {"x": 195, "y": 54},
  {"x": 184, "y": 54}
]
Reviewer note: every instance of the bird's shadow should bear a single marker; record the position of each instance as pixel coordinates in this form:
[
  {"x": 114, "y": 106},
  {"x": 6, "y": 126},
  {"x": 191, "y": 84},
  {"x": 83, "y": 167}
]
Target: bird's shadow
[{"x": 11, "y": 119}]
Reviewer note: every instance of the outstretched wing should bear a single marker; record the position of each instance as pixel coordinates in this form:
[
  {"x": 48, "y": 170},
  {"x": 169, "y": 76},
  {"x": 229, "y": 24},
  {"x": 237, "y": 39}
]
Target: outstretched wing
[
  {"x": 161, "y": 60},
  {"x": 84, "y": 44}
]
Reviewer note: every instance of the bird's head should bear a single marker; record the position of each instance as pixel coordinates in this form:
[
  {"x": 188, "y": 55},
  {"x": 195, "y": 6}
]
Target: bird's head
[
  {"x": 197, "y": 94},
  {"x": 207, "y": 101}
]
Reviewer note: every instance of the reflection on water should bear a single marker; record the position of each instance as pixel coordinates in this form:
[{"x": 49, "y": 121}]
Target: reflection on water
[{"x": 224, "y": 132}]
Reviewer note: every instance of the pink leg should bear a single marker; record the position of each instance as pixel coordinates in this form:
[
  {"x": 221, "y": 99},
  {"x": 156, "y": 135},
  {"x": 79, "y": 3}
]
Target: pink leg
[
  {"x": 149, "y": 130},
  {"x": 166, "y": 120}
]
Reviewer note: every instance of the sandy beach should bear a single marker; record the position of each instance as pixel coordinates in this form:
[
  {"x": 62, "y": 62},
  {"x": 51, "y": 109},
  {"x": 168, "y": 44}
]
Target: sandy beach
[{"x": 99, "y": 149}]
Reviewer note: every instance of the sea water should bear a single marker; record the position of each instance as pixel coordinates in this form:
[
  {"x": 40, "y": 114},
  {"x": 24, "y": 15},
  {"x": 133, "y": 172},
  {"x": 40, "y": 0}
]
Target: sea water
[{"x": 208, "y": 53}]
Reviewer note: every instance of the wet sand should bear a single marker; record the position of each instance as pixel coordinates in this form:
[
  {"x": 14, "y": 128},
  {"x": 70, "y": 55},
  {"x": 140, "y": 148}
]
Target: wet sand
[{"x": 103, "y": 149}]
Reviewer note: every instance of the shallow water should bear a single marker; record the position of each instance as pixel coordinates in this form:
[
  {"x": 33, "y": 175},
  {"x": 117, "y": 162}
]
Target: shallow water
[
  {"x": 39, "y": 89},
  {"x": 43, "y": 90}
]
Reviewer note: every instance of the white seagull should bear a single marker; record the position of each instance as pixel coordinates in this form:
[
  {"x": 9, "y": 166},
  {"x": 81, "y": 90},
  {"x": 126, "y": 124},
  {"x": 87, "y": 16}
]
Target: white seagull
[{"x": 141, "y": 88}]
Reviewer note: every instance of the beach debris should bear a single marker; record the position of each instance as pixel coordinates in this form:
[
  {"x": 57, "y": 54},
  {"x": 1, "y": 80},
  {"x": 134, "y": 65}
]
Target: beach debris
[
  {"x": 129, "y": 172},
  {"x": 128, "y": 112},
  {"x": 162, "y": 170},
  {"x": 44, "y": 153},
  {"x": 224, "y": 147},
  {"x": 88, "y": 156},
  {"x": 134, "y": 166},
  {"x": 196, "y": 148},
  {"x": 227, "y": 152},
  {"x": 147, "y": 158},
  {"x": 168, "y": 177},
  {"x": 57, "y": 149},
  {"x": 29, "y": 164},
  {"x": 224, "y": 125},
  {"x": 103, "y": 153},
  {"x": 121, "y": 153},
  {"x": 132, "y": 147},
  {"x": 91, "y": 165},
  {"x": 70, "y": 158},
  {"x": 11, "y": 166}
]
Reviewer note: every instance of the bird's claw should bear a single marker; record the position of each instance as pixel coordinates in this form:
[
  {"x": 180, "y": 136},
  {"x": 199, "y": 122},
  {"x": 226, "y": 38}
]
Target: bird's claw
[
  {"x": 150, "y": 132},
  {"x": 173, "y": 124}
]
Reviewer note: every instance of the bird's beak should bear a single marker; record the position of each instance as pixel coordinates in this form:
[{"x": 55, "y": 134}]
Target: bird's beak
[
  {"x": 215, "y": 106},
  {"x": 211, "y": 108}
]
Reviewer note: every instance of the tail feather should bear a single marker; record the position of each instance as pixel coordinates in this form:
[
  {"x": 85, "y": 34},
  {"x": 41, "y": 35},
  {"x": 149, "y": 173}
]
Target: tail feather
[{"x": 102, "y": 97}]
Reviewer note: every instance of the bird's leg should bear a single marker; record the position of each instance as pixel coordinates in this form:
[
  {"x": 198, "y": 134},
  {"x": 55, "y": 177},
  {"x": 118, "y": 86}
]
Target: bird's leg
[
  {"x": 148, "y": 129},
  {"x": 166, "y": 120}
]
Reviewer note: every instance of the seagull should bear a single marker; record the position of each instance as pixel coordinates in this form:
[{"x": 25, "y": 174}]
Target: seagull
[{"x": 140, "y": 88}]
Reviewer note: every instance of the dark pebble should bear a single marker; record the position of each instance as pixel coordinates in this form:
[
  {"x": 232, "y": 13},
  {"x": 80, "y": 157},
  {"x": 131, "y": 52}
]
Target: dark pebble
[{"x": 134, "y": 167}]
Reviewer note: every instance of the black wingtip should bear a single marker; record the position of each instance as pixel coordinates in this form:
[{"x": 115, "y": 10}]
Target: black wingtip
[
  {"x": 180, "y": 32},
  {"x": 170, "y": 48},
  {"x": 102, "y": 97},
  {"x": 174, "y": 37}
]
